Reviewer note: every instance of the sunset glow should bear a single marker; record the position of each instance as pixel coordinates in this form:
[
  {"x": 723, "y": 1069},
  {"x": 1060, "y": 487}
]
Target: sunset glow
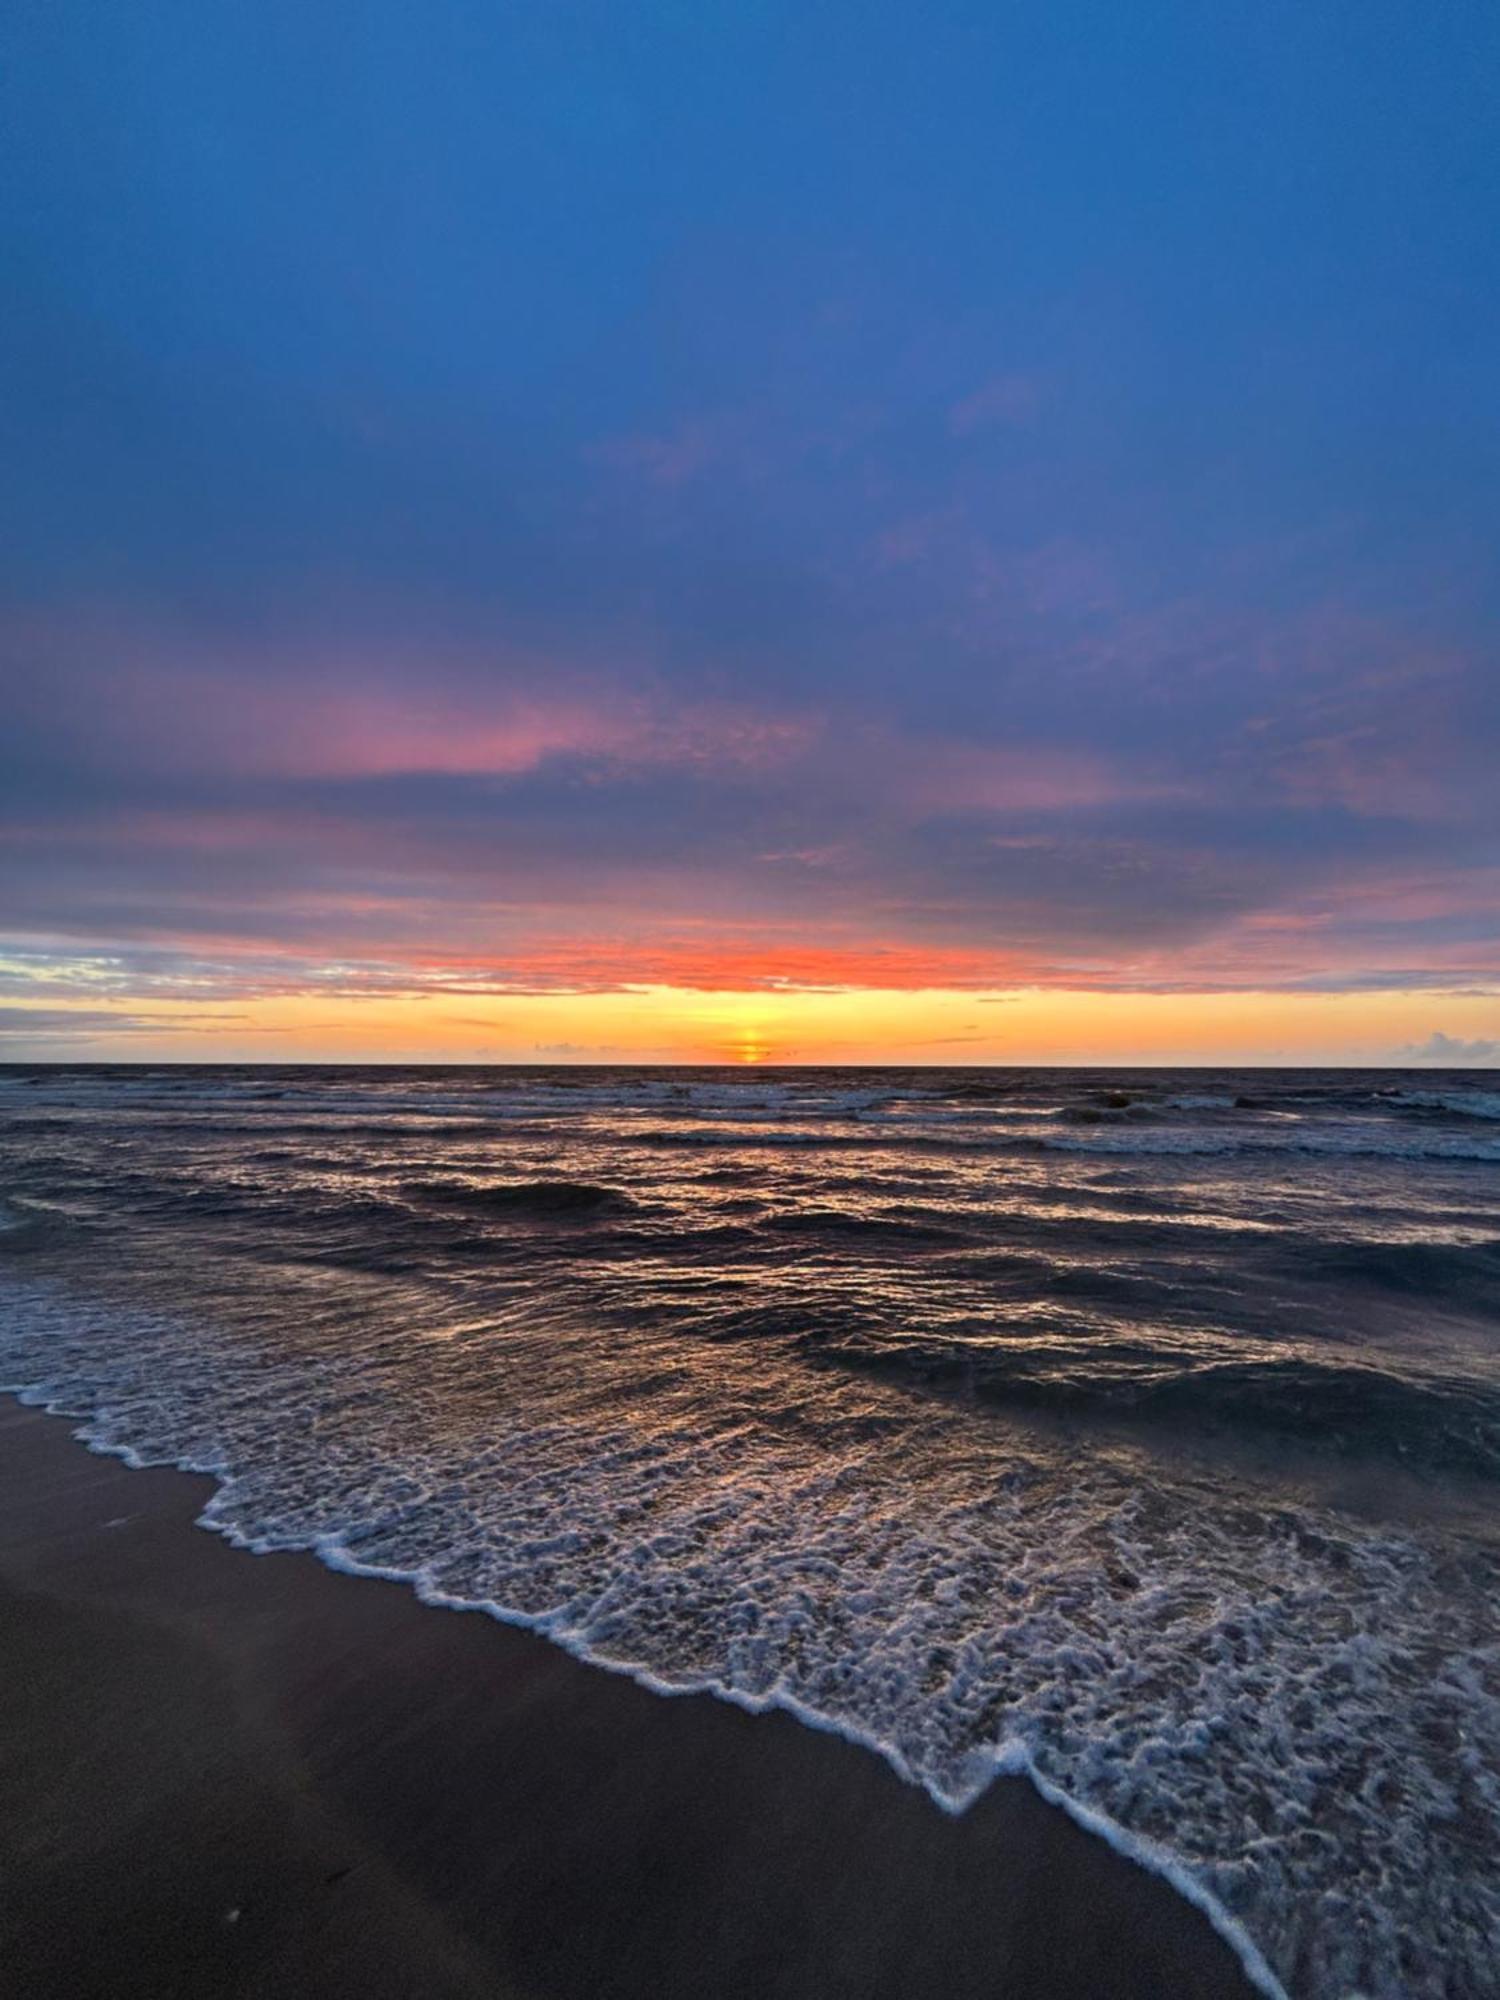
[{"x": 672, "y": 1025}]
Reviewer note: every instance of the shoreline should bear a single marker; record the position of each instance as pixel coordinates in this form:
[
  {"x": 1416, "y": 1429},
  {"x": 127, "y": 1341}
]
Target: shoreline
[{"x": 442, "y": 1805}]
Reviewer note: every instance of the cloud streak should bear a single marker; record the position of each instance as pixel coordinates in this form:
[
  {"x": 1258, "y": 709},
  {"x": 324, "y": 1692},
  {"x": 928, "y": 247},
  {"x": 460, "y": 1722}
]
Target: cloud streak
[{"x": 270, "y": 818}]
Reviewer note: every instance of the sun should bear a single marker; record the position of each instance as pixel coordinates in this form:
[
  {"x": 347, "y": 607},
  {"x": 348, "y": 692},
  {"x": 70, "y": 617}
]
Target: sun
[{"x": 748, "y": 1041}]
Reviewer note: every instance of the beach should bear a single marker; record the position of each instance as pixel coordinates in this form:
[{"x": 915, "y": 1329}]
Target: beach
[{"x": 229, "y": 1774}]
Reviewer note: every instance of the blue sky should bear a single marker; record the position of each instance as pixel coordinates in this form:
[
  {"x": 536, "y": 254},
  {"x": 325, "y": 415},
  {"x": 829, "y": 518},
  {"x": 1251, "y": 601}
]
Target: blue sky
[{"x": 963, "y": 496}]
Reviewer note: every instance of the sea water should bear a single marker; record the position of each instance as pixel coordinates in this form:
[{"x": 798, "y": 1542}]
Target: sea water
[{"x": 1139, "y": 1431}]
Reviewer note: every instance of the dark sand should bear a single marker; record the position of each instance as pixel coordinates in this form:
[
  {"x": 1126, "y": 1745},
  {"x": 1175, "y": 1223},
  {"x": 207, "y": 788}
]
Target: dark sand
[{"x": 228, "y": 1775}]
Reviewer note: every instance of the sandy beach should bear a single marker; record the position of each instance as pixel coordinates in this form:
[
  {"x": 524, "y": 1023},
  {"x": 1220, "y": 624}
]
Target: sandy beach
[{"x": 222, "y": 1774}]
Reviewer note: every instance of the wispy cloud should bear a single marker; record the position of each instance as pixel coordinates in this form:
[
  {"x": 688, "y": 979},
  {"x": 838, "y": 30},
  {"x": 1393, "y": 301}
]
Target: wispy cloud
[{"x": 42, "y": 1025}]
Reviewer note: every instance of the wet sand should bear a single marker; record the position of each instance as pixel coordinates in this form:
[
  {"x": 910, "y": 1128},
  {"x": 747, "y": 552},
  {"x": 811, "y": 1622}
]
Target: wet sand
[{"x": 230, "y": 1775}]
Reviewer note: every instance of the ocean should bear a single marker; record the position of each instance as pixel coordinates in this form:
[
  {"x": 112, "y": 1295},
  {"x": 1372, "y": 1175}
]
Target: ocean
[{"x": 1137, "y": 1431}]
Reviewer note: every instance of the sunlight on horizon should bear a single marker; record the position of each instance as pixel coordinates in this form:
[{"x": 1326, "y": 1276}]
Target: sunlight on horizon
[{"x": 937, "y": 1027}]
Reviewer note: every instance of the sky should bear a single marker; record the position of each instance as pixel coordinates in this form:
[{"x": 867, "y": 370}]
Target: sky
[{"x": 750, "y": 532}]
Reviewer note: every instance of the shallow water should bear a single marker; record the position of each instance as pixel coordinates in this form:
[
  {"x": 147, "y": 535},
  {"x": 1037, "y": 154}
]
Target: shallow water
[{"x": 1140, "y": 1430}]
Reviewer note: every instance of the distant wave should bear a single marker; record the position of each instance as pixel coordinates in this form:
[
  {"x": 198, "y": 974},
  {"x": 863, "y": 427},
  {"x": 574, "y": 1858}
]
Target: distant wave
[
  {"x": 1103, "y": 1136},
  {"x": 1455, "y": 1103},
  {"x": 1351, "y": 1142}
]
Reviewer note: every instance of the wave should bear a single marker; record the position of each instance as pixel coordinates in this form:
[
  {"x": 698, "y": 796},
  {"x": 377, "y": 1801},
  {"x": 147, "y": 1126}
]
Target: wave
[
  {"x": 1112, "y": 1111},
  {"x": 712, "y": 1135},
  {"x": 27, "y": 1225},
  {"x": 1449, "y": 1425},
  {"x": 1348, "y": 1143},
  {"x": 543, "y": 1197},
  {"x": 837, "y": 1225},
  {"x": 1455, "y": 1103},
  {"x": 1103, "y": 1132},
  {"x": 1457, "y": 1273}
]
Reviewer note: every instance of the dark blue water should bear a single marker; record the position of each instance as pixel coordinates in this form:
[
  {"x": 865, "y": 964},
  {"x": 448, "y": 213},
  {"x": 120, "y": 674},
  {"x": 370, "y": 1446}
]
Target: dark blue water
[{"x": 1141, "y": 1431}]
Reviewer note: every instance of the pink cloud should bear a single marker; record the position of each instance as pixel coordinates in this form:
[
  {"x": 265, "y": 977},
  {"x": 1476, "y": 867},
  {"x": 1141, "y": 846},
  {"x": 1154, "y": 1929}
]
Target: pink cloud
[
  {"x": 502, "y": 735},
  {"x": 308, "y": 708}
]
